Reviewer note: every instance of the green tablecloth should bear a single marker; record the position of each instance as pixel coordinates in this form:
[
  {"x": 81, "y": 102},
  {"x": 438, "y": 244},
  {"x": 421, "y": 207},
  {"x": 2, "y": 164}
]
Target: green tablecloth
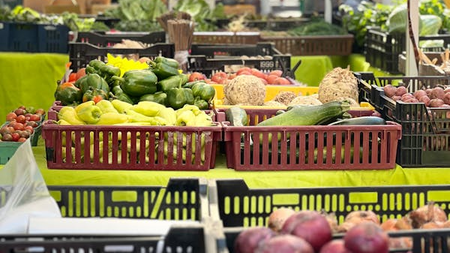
[
  {"x": 314, "y": 68},
  {"x": 255, "y": 179},
  {"x": 29, "y": 79}
]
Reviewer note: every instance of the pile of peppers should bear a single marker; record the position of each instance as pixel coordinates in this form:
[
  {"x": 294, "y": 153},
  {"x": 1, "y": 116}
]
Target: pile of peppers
[{"x": 161, "y": 83}]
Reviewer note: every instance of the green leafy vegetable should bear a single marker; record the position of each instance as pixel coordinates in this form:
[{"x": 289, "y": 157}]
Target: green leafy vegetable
[{"x": 317, "y": 27}]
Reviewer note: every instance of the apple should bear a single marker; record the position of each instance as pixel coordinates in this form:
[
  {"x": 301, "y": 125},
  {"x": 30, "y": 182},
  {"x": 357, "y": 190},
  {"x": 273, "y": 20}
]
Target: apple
[
  {"x": 29, "y": 129},
  {"x": 40, "y": 111},
  {"x": 32, "y": 124},
  {"x": 7, "y": 137},
  {"x": 18, "y": 126}
]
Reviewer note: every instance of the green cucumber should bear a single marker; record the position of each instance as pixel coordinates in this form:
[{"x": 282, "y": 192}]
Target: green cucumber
[
  {"x": 236, "y": 116},
  {"x": 365, "y": 120},
  {"x": 308, "y": 115}
]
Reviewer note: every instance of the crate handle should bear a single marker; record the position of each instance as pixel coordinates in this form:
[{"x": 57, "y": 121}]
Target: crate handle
[{"x": 296, "y": 67}]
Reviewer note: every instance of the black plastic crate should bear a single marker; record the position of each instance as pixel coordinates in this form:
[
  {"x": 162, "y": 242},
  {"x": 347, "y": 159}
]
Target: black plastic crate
[
  {"x": 30, "y": 37},
  {"x": 82, "y": 53},
  {"x": 422, "y": 239},
  {"x": 178, "y": 239},
  {"x": 110, "y": 39},
  {"x": 181, "y": 199},
  {"x": 240, "y": 206},
  {"x": 425, "y": 131},
  {"x": 210, "y": 58},
  {"x": 383, "y": 49}
]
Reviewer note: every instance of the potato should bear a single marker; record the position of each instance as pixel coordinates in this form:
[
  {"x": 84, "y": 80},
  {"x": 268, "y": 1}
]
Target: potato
[
  {"x": 426, "y": 100},
  {"x": 436, "y": 102},
  {"x": 428, "y": 91},
  {"x": 401, "y": 90},
  {"x": 447, "y": 98},
  {"x": 437, "y": 92},
  {"x": 411, "y": 100},
  {"x": 420, "y": 93},
  {"x": 447, "y": 90},
  {"x": 389, "y": 90}
]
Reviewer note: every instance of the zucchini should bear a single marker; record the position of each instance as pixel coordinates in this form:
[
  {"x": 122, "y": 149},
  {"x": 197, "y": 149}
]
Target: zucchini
[
  {"x": 366, "y": 120},
  {"x": 308, "y": 115},
  {"x": 236, "y": 116}
]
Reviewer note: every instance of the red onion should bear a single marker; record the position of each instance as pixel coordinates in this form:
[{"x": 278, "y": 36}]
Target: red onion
[
  {"x": 249, "y": 239},
  {"x": 285, "y": 244},
  {"x": 367, "y": 237},
  {"x": 335, "y": 246},
  {"x": 289, "y": 224},
  {"x": 313, "y": 228}
]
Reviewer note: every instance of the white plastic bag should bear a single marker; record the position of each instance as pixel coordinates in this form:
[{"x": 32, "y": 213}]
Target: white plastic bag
[{"x": 23, "y": 193}]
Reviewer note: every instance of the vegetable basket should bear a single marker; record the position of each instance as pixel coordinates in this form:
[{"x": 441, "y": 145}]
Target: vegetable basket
[
  {"x": 425, "y": 131},
  {"x": 130, "y": 147},
  {"x": 135, "y": 202},
  {"x": 282, "y": 148},
  {"x": 239, "y": 206}
]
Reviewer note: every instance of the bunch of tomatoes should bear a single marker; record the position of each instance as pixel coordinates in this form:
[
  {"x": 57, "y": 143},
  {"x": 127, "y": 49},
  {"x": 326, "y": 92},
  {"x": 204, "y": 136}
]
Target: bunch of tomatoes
[{"x": 21, "y": 124}]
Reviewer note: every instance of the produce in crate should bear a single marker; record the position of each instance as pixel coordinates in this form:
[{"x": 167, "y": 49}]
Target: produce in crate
[
  {"x": 119, "y": 113},
  {"x": 365, "y": 234},
  {"x": 337, "y": 85},
  {"x": 274, "y": 77},
  {"x": 21, "y": 123},
  {"x": 245, "y": 90},
  {"x": 435, "y": 97},
  {"x": 158, "y": 81}
]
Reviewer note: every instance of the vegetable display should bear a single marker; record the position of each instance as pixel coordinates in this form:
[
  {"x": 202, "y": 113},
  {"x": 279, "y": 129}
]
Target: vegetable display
[
  {"x": 157, "y": 81},
  {"x": 363, "y": 231}
]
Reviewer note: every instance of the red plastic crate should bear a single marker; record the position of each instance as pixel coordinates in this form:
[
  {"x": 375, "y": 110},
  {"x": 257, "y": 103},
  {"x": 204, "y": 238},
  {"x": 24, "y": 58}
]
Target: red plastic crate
[
  {"x": 66, "y": 146},
  {"x": 287, "y": 147}
]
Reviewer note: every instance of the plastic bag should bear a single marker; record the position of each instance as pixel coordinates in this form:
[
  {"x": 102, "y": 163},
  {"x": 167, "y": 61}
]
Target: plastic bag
[{"x": 23, "y": 193}]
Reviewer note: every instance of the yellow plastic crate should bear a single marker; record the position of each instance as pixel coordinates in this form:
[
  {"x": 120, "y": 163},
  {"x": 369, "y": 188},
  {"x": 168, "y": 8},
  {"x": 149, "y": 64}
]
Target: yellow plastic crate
[{"x": 273, "y": 90}]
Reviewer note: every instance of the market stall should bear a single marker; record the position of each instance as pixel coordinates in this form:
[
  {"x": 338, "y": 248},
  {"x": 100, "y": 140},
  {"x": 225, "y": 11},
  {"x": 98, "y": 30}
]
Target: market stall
[{"x": 206, "y": 127}]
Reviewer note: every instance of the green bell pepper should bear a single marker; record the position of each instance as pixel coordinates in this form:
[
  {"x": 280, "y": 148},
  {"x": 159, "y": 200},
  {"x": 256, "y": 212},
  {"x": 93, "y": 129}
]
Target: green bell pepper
[
  {"x": 159, "y": 97},
  {"x": 68, "y": 95},
  {"x": 117, "y": 93},
  {"x": 203, "y": 91},
  {"x": 167, "y": 61},
  {"x": 137, "y": 83},
  {"x": 163, "y": 68},
  {"x": 178, "y": 97},
  {"x": 172, "y": 82},
  {"x": 201, "y": 104},
  {"x": 92, "y": 81},
  {"x": 103, "y": 70}
]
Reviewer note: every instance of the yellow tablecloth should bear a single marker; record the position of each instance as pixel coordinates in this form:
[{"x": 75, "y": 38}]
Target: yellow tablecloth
[{"x": 255, "y": 179}]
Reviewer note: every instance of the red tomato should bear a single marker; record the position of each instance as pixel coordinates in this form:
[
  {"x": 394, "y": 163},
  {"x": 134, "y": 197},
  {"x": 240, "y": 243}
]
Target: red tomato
[
  {"x": 11, "y": 116},
  {"x": 276, "y": 73},
  {"x": 258, "y": 73},
  {"x": 282, "y": 81},
  {"x": 244, "y": 69},
  {"x": 271, "y": 79},
  {"x": 35, "y": 117},
  {"x": 21, "y": 119},
  {"x": 196, "y": 76},
  {"x": 18, "y": 126},
  {"x": 245, "y": 72},
  {"x": 219, "y": 77}
]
